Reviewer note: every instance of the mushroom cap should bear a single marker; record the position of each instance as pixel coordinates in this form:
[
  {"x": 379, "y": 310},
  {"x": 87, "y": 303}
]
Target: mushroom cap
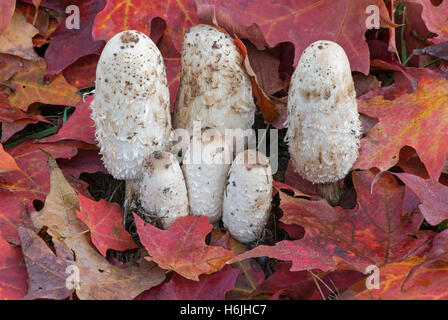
[
  {"x": 247, "y": 197},
  {"x": 205, "y": 173},
  {"x": 214, "y": 86},
  {"x": 131, "y": 104},
  {"x": 163, "y": 193},
  {"x": 323, "y": 120}
]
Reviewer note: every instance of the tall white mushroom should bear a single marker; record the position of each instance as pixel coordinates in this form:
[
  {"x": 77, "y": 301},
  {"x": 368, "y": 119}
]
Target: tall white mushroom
[
  {"x": 247, "y": 196},
  {"x": 323, "y": 120},
  {"x": 205, "y": 166},
  {"x": 214, "y": 86},
  {"x": 163, "y": 193},
  {"x": 131, "y": 107}
]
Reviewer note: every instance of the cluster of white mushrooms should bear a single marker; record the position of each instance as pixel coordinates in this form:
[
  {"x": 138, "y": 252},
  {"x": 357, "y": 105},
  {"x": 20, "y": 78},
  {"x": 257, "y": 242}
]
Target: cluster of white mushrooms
[{"x": 135, "y": 135}]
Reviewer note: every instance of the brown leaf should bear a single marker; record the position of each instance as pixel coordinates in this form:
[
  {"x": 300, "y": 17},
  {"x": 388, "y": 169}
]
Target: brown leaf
[
  {"x": 98, "y": 278},
  {"x": 47, "y": 271},
  {"x": 6, "y": 13},
  {"x": 17, "y": 38}
]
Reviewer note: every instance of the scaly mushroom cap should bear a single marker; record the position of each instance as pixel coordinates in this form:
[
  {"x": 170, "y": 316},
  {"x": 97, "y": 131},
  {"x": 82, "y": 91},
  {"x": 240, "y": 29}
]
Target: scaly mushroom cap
[
  {"x": 131, "y": 104},
  {"x": 247, "y": 197},
  {"x": 214, "y": 86},
  {"x": 163, "y": 193},
  {"x": 323, "y": 120},
  {"x": 205, "y": 174}
]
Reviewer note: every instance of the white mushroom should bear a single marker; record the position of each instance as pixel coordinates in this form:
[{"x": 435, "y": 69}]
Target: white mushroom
[
  {"x": 163, "y": 193},
  {"x": 323, "y": 120},
  {"x": 214, "y": 86},
  {"x": 131, "y": 106},
  {"x": 247, "y": 197},
  {"x": 205, "y": 166}
]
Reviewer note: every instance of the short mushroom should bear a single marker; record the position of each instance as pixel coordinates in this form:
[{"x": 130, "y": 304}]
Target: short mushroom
[
  {"x": 131, "y": 107},
  {"x": 247, "y": 196},
  {"x": 214, "y": 86},
  {"x": 323, "y": 120},
  {"x": 163, "y": 194}
]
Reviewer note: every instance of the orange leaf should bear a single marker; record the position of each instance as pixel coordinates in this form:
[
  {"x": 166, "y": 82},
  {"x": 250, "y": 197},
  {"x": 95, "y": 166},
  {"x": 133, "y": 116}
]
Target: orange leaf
[
  {"x": 31, "y": 86},
  {"x": 429, "y": 282},
  {"x": 419, "y": 120},
  {"x": 7, "y": 163}
]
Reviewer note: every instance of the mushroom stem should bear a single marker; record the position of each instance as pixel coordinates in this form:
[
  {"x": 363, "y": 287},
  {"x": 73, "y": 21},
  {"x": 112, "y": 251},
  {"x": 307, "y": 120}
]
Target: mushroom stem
[
  {"x": 131, "y": 202},
  {"x": 330, "y": 191}
]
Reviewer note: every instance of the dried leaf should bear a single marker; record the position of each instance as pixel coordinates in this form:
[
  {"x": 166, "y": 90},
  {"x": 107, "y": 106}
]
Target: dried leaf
[
  {"x": 47, "y": 271},
  {"x": 17, "y": 38},
  {"x": 98, "y": 278}
]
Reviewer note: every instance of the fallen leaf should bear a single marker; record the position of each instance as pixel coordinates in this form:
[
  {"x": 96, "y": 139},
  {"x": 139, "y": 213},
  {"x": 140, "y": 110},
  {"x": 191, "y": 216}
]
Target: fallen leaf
[
  {"x": 268, "y": 24},
  {"x": 418, "y": 120},
  {"x": 171, "y": 57},
  {"x": 265, "y": 67},
  {"x": 433, "y": 197},
  {"x": 265, "y": 104},
  {"x": 68, "y": 45},
  {"x": 6, "y": 12},
  {"x": 105, "y": 222},
  {"x": 435, "y": 18},
  {"x": 14, "y": 120},
  {"x": 209, "y": 287},
  {"x": 182, "y": 247},
  {"x": 307, "y": 285},
  {"x": 20, "y": 188},
  {"x": 30, "y": 86},
  {"x": 119, "y": 15},
  {"x": 438, "y": 50},
  {"x": 79, "y": 126},
  {"x": 376, "y": 231},
  {"x": 251, "y": 274},
  {"x": 47, "y": 271},
  {"x": 13, "y": 276},
  {"x": 428, "y": 282},
  {"x": 98, "y": 279},
  {"x": 7, "y": 163},
  {"x": 17, "y": 38},
  {"x": 88, "y": 161},
  {"x": 82, "y": 73}
]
